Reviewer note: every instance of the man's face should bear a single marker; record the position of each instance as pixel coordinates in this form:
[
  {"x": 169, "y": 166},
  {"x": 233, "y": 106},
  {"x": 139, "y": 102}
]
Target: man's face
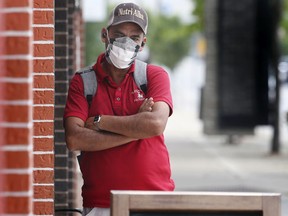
[{"x": 130, "y": 30}]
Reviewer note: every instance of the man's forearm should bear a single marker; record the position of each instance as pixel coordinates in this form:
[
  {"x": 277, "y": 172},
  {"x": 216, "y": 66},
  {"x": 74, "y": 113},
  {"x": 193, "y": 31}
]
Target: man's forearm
[
  {"x": 84, "y": 139},
  {"x": 141, "y": 125}
]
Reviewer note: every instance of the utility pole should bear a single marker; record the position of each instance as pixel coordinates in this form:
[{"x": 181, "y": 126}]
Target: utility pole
[
  {"x": 275, "y": 145},
  {"x": 275, "y": 14}
]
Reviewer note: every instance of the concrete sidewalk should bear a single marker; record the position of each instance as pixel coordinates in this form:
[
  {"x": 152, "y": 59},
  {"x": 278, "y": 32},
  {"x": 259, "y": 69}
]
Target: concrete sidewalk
[{"x": 206, "y": 163}]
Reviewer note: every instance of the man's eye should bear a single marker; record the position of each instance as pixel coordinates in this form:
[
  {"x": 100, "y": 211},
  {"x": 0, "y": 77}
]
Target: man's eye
[{"x": 136, "y": 39}]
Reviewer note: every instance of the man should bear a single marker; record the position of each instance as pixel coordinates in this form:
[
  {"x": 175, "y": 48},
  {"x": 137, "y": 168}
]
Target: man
[{"x": 120, "y": 134}]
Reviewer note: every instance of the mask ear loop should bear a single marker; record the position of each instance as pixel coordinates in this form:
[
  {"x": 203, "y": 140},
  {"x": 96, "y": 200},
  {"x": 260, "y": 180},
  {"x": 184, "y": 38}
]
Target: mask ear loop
[
  {"x": 107, "y": 48},
  {"x": 110, "y": 41}
]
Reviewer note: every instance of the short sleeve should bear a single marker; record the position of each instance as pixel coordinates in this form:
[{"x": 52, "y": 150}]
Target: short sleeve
[
  {"x": 158, "y": 84},
  {"x": 76, "y": 104}
]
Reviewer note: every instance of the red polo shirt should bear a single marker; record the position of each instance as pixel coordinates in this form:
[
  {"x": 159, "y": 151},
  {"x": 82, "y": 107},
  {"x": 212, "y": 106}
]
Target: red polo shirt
[{"x": 139, "y": 165}]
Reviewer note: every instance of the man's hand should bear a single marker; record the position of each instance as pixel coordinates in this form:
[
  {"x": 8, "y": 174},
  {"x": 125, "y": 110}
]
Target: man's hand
[
  {"x": 146, "y": 105},
  {"x": 90, "y": 124}
]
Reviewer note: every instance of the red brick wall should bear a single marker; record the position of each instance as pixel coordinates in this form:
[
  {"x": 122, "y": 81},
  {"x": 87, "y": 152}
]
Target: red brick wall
[
  {"x": 43, "y": 106},
  {"x": 16, "y": 106},
  {"x": 1, "y": 108},
  {"x": 27, "y": 106}
]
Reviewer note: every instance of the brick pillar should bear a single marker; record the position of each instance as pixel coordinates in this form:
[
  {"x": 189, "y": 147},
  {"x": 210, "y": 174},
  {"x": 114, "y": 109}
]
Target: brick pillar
[
  {"x": 67, "y": 186},
  {"x": 71, "y": 71},
  {"x": 61, "y": 87},
  {"x": 16, "y": 124},
  {"x": 2, "y": 142},
  {"x": 43, "y": 104},
  {"x": 69, "y": 58}
]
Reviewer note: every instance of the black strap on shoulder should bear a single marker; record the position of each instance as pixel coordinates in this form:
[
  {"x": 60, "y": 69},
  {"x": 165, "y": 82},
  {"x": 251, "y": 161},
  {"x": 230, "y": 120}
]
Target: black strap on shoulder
[{"x": 89, "y": 99}]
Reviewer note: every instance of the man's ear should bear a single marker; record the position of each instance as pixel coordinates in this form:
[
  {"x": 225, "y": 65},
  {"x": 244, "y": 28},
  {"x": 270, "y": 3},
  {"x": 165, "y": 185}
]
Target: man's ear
[
  {"x": 143, "y": 43},
  {"x": 104, "y": 35}
]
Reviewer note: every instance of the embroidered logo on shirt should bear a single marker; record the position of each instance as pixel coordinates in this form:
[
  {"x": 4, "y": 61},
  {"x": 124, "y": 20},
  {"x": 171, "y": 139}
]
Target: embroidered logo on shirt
[{"x": 138, "y": 95}]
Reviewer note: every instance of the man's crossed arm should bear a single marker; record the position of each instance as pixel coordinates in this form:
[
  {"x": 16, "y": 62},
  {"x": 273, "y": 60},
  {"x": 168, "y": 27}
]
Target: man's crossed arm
[{"x": 150, "y": 121}]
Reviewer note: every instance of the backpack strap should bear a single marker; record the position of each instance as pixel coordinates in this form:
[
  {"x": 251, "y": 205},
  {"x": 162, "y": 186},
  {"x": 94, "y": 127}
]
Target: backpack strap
[
  {"x": 140, "y": 75},
  {"x": 90, "y": 83},
  {"x": 90, "y": 86}
]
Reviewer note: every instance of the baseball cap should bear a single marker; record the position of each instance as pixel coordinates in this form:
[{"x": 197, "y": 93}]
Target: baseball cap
[{"x": 129, "y": 12}]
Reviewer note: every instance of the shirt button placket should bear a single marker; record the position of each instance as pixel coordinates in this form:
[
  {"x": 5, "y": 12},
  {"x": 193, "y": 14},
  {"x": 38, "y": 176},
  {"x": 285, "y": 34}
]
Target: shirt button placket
[{"x": 118, "y": 96}]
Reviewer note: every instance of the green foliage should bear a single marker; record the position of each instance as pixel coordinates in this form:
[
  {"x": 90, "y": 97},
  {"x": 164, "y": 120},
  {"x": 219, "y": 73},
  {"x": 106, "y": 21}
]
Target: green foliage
[
  {"x": 168, "y": 40},
  {"x": 284, "y": 28},
  {"x": 198, "y": 15},
  {"x": 94, "y": 45}
]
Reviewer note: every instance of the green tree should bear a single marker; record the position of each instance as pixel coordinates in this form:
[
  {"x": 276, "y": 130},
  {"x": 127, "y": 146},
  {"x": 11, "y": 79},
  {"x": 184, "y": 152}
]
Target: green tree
[
  {"x": 284, "y": 28},
  {"x": 168, "y": 40},
  {"x": 94, "y": 45},
  {"x": 198, "y": 15}
]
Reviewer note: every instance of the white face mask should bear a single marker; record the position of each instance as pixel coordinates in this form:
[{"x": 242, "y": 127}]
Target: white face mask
[{"x": 121, "y": 52}]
